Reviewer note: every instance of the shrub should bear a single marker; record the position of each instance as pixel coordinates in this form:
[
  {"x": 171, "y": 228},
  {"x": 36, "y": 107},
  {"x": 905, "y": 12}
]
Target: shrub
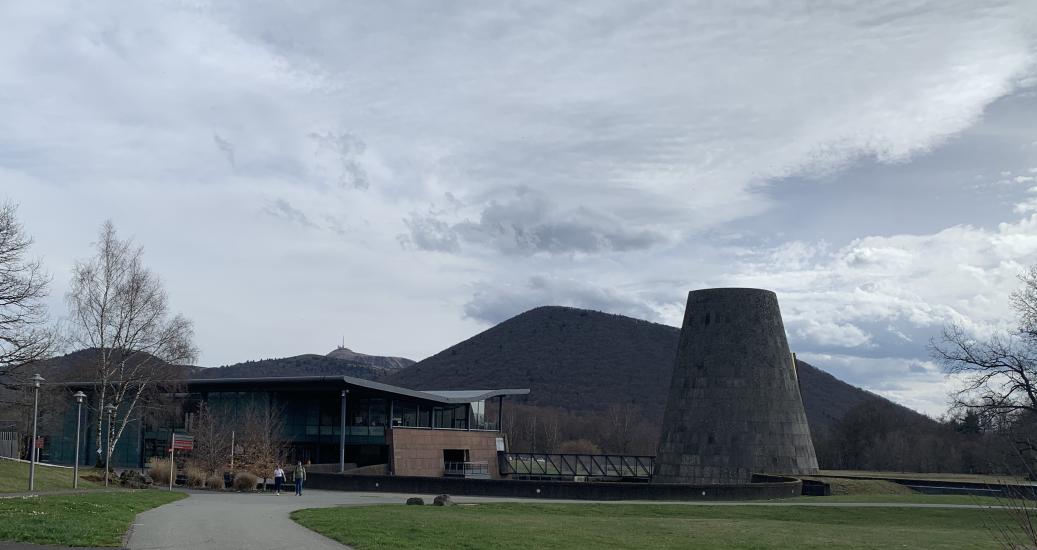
[
  {"x": 195, "y": 477},
  {"x": 214, "y": 482},
  {"x": 579, "y": 447},
  {"x": 158, "y": 470},
  {"x": 245, "y": 481},
  {"x": 133, "y": 479}
]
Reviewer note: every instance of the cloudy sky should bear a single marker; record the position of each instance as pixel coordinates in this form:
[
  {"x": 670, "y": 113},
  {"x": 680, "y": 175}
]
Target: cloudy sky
[{"x": 406, "y": 174}]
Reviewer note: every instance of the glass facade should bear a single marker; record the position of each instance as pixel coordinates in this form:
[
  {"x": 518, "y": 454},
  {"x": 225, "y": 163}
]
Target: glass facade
[{"x": 311, "y": 415}]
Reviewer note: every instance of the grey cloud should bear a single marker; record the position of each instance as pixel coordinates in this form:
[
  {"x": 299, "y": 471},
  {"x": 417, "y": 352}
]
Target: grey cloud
[
  {"x": 226, "y": 147},
  {"x": 284, "y": 210},
  {"x": 530, "y": 224},
  {"x": 344, "y": 148},
  {"x": 429, "y": 233},
  {"x": 497, "y": 302}
]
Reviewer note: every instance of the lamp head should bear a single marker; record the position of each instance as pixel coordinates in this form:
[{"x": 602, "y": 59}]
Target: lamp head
[
  {"x": 36, "y": 379},
  {"x": 80, "y": 396},
  {"x": 109, "y": 408}
]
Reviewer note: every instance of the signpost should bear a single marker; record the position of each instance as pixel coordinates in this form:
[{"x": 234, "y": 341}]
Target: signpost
[{"x": 180, "y": 442}]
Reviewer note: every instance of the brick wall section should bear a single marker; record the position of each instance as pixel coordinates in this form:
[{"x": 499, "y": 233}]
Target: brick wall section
[{"x": 419, "y": 452}]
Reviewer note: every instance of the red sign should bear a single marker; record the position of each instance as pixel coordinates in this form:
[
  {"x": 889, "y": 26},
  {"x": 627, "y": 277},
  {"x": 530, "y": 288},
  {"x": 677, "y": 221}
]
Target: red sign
[
  {"x": 183, "y": 442},
  {"x": 39, "y": 442}
]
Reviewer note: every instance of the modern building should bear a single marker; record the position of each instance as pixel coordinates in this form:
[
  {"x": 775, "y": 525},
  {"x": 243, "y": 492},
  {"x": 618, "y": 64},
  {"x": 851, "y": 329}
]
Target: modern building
[{"x": 328, "y": 420}]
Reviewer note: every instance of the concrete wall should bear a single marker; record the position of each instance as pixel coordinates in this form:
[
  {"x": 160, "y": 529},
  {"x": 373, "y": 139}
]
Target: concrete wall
[
  {"x": 419, "y": 451},
  {"x": 768, "y": 489},
  {"x": 734, "y": 406}
]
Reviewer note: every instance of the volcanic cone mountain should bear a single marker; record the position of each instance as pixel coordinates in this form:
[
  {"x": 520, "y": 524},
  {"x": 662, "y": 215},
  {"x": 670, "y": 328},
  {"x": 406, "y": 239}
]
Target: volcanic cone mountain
[{"x": 584, "y": 360}]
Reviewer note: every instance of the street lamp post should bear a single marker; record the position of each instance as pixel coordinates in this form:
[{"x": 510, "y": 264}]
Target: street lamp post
[
  {"x": 110, "y": 409},
  {"x": 79, "y": 395},
  {"x": 36, "y": 379}
]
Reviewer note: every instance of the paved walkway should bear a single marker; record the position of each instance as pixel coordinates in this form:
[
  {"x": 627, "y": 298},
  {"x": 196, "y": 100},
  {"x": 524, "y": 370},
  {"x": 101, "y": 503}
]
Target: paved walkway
[
  {"x": 211, "y": 520},
  {"x": 246, "y": 521}
]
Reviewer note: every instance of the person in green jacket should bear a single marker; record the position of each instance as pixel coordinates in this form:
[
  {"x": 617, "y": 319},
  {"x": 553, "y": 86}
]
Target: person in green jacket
[{"x": 300, "y": 476}]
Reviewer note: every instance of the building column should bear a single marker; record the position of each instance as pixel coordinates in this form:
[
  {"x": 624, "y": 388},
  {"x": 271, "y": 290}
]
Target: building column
[
  {"x": 342, "y": 435},
  {"x": 500, "y": 413},
  {"x": 389, "y": 438}
]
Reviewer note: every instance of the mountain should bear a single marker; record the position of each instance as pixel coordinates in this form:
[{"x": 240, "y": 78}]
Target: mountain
[
  {"x": 378, "y": 361},
  {"x": 584, "y": 360},
  {"x": 79, "y": 366},
  {"x": 301, "y": 365}
]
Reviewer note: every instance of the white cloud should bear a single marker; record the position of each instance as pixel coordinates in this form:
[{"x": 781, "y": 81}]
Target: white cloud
[
  {"x": 497, "y": 302},
  {"x": 273, "y": 156},
  {"x": 831, "y": 334},
  {"x": 918, "y": 384}
]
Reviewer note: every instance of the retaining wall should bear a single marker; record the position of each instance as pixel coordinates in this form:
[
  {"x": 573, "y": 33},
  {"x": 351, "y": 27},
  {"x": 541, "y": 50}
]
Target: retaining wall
[{"x": 767, "y": 487}]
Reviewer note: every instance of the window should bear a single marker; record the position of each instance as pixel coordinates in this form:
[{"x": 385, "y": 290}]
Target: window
[{"x": 405, "y": 413}]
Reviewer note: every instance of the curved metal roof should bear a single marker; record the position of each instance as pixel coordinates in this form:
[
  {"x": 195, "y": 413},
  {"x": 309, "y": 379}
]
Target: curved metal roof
[{"x": 439, "y": 396}]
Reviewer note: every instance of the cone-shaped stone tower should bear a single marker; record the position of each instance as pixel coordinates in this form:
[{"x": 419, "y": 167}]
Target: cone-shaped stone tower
[{"x": 734, "y": 407}]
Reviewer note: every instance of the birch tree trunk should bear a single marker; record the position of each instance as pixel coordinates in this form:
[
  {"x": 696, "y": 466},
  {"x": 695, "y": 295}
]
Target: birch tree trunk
[{"x": 120, "y": 311}]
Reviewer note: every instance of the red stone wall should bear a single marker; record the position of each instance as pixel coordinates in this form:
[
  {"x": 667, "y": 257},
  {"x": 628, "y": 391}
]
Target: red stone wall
[{"x": 419, "y": 452}]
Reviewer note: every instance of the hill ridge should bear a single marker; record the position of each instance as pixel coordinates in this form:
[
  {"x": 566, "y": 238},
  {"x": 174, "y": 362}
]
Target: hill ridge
[{"x": 586, "y": 360}]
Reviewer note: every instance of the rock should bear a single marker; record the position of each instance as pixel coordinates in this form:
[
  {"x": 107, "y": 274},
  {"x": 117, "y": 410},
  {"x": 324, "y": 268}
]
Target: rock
[
  {"x": 416, "y": 501},
  {"x": 133, "y": 479},
  {"x": 443, "y": 500}
]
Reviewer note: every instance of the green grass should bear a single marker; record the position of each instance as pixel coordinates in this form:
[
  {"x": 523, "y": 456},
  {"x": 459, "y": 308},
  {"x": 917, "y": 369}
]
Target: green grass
[
  {"x": 93, "y": 519},
  {"x": 973, "y": 478},
  {"x": 842, "y": 486},
  {"x": 651, "y": 526},
  {"x": 14, "y": 477},
  {"x": 913, "y": 498}
]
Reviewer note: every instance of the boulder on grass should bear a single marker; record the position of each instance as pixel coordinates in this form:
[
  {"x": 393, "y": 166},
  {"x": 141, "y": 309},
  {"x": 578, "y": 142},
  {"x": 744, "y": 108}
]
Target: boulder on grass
[
  {"x": 443, "y": 500},
  {"x": 416, "y": 501},
  {"x": 133, "y": 479}
]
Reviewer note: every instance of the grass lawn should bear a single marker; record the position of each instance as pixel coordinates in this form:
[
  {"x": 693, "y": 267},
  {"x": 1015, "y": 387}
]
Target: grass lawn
[
  {"x": 971, "y": 478},
  {"x": 92, "y": 519},
  {"x": 14, "y": 477},
  {"x": 917, "y": 498},
  {"x": 509, "y": 525}
]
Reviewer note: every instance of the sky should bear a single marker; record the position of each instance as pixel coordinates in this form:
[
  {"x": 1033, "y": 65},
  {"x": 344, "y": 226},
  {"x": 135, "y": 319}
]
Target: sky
[{"x": 403, "y": 175}]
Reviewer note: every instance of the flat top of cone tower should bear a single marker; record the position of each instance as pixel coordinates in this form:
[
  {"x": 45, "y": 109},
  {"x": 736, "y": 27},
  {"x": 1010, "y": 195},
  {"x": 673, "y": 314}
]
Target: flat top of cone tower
[{"x": 731, "y": 290}]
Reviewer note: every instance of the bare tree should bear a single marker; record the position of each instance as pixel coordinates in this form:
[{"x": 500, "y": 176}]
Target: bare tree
[
  {"x": 552, "y": 433},
  {"x": 211, "y": 439},
  {"x": 24, "y": 337},
  {"x": 1000, "y": 372},
  {"x": 119, "y": 309},
  {"x": 262, "y": 438},
  {"x": 620, "y": 424}
]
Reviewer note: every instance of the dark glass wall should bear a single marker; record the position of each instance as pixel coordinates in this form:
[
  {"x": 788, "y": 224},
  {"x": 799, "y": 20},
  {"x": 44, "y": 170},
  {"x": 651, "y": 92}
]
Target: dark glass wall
[{"x": 311, "y": 417}]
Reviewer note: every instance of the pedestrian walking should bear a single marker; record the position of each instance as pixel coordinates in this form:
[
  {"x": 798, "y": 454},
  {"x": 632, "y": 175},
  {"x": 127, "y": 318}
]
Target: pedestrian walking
[
  {"x": 278, "y": 479},
  {"x": 300, "y": 476}
]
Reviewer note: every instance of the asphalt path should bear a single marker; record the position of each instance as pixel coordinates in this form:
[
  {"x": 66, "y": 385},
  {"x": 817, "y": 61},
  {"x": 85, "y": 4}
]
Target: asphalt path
[{"x": 259, "y": 521}]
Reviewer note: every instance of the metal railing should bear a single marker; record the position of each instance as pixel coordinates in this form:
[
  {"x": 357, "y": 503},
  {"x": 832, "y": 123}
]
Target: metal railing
[
  {"x": 471, "y": 470},
  {"x": 576, "y": 465},
  {"x": 9, "y": 444}
]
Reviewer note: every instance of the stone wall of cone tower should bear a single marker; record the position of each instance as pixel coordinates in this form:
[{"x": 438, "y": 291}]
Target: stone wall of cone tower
[{"x": 734, "y": 406}]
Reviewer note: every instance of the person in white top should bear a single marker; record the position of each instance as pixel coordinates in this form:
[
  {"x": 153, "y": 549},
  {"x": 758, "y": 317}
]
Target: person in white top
[{"x": 278, "y": 479}]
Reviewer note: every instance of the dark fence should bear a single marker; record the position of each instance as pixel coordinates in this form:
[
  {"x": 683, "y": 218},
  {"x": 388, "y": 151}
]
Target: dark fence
[
  {"x": 763, "y": 487},
  {"x": 577, "y": 465}
]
